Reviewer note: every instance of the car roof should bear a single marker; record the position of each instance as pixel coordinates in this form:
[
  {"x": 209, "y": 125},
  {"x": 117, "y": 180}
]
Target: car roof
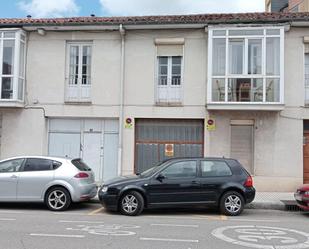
[
  {"x": 198, "y": 158},
  {"x": 40, "y": 157}
]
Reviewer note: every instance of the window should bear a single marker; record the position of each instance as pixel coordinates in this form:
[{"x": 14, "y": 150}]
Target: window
[
  {"x": 245, "y": 65},
  {"x": 184, "y": 169},
  {"x": 11, "y": 165},
  {"x": 37, "y": 164},
  {"x": 79, "y": 72},
  {"x": 215, "y": 169},
  {"x": 169, "y": 79},
  {"x": 81, "y": 165},
  {"x": 12, "y": 68}
]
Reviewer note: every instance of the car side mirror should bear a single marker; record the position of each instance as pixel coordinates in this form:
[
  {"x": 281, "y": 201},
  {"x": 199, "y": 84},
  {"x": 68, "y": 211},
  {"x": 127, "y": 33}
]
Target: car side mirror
[{"x": 160, "y": 177}]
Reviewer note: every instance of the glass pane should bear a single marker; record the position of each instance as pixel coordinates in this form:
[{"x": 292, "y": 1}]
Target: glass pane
[
  {"x": 176, "y": 80},
  {"x": 218, "y": 90},
  {"x": 255, "y": 56},
  {"x": 8, "y": 57},
  {"x": 11, "y": 166},
  {"x": 236, "y": 56},
  {"x": 22, "y": 60},
  {"x": 176, "y": 69},
  {"x": 219, "y": 32},
  {"x": 307, "y": 78},
  {"x": 176, "y": 60},
  {"x": 74, "y": 61},
  {"x": 246, "y": 32},
  {"x": 272, "y": 90},
  {"x": 7, "y": 88},
  {"x": 9, "y": 34},
  {"x": 215, "y": 168},
  {"x": 218, "y": 57},
  {"x": 162, "y": 60},
  {"x": 273, "y": 56},
  {"x": 245, "y": 90},
  {"x": 162, "y": 80},
  {"x": 180, "y": 170},
  {"x": 163, "y": 69},
  {"x": 273, "y": 32},
  {"x": 20, "y": 89}
]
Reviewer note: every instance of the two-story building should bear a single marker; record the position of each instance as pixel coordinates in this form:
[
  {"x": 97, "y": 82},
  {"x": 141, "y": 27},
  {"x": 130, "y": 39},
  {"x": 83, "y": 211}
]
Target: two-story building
[{"x": 127, "y": 92}]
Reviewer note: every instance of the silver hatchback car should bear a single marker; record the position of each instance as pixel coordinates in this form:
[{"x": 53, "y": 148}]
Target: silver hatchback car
[{"x": 55, "y": 181}]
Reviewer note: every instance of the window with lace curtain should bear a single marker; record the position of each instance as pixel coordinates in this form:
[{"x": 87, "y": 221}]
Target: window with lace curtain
[{"x": 245, "y": 65}]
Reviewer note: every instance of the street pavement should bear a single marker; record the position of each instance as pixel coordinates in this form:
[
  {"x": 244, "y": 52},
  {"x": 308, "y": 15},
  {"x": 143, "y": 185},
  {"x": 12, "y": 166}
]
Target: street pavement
[{"x": 89, "y": 226}]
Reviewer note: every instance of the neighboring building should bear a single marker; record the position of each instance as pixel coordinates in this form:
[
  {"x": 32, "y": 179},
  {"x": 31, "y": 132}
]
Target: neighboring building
[
  {"x": 127, "y": 92},
  {"x": 286, "y": 5},
  {"x": 276, "y": 5}
]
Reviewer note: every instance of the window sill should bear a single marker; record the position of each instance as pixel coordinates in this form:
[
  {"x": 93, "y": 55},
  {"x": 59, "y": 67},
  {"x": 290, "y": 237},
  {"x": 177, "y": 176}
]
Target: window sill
[
  {"x": 12, "y": 103},
  {"x": 246, "y": 106},
  {"x": 169, "y": 104},
  {"x": 78, "y": 102}
]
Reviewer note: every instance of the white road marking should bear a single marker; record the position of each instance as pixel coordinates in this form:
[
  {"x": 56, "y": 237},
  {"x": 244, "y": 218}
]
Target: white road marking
[
  {"x": 67, "y": 213},
  {"x": 57, "y": 235},
  {"x": 11, "y": 212},
  {"x": 81, "y": 221},
  {"x": 263, "y": 237},
  {"x": 6, "y": 219},
  {"x": 170, "y": 240},
  {"x": 174, "y": 225},
  {"x": 252, "y": 220}
]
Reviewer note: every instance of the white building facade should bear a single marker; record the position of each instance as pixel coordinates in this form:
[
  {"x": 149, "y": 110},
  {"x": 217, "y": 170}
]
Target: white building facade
[{"x": 125, "y": 94}]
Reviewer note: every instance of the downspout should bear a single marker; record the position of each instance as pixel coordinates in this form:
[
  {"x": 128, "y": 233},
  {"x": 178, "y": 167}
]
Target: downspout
[{"x": 121, "y": 106}]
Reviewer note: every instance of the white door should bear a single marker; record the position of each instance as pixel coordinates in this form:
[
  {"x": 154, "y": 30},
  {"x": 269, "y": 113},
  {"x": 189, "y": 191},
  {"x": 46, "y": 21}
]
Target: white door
[
  {"x": 110, "y": 156},
  {"x": 64, "y": 145},
  {"x": 92, "y": 153}
]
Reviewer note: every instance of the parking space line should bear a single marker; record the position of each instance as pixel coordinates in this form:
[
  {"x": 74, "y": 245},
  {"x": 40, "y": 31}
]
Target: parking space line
[
  {"x": 6, "y": 219},
  {"x": 174, "y": 225},
  {"x": 170, "y": 240},
  {"x": 96, "y": 211},
  {"x": 80, "y": 221},
  {"x": 11, "y": 212},
  {"x": 57, "y": 235},
  {"x": 252, "y": 220}
]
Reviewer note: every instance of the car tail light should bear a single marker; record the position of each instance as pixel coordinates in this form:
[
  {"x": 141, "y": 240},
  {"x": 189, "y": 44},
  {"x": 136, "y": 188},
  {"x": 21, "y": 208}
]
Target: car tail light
[
  {"x": 249, "y": 182},
  {"x": 81, "y": 175}
]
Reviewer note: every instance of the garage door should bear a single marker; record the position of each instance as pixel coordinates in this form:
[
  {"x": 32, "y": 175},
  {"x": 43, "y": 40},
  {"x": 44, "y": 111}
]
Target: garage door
[
  {"x": 242, "y": 143},
  {"x": 94, "y": 140},
  {"x": 157, "y": 140}
]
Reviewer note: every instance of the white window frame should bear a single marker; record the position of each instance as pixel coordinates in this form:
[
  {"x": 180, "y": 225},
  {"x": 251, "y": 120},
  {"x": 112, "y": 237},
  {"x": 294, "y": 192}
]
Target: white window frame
[
  {"x": 245, "y": 75},
  {"x": 79, "y": 88},
  {"x": 169, "y": 85},
  {"x": 16, "y": 63}
]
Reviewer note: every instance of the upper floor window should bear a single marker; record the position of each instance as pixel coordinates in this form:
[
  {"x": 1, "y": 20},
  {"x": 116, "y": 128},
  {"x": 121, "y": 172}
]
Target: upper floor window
[
  {"x": 78, "y": 72},
  {"x": 169, "y": 71},
  {"x": 12, "y": 68},
  {"x": 245, "y": 65}
]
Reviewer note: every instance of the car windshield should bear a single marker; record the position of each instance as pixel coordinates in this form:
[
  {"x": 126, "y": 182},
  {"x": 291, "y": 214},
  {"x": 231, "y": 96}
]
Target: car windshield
[{"x": 152, "y": 170}]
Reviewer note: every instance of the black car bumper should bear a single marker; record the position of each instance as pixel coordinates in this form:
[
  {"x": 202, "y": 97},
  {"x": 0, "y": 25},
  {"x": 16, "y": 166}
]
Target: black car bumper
[
  {"x": 249, "y": 195},
  {"x": 110, "y": 202}
]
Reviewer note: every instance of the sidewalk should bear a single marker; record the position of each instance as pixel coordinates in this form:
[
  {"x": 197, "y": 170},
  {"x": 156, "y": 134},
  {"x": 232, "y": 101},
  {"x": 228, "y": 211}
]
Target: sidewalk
[
  {"x": 272, "y": 200},
  {"x": 264, "y": 200}
]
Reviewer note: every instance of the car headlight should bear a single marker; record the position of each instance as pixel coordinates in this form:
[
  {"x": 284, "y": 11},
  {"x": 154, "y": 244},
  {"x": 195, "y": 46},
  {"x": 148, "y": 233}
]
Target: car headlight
[{"x": 104, "y": 189}]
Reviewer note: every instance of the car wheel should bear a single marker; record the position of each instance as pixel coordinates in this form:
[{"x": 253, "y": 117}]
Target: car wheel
[
  {"x": 131, "y": 203},
  {"x": 58, "y": 199},
  {"x": 232, "y": 203}
]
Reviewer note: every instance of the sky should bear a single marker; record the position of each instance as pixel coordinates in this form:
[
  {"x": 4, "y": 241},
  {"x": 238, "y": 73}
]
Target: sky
[{"x": 69, "y": 8}]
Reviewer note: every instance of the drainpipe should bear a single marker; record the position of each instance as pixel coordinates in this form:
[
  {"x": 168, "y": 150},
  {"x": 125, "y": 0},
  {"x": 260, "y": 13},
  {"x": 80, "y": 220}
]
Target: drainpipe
[{"x": 121, "y": 106}]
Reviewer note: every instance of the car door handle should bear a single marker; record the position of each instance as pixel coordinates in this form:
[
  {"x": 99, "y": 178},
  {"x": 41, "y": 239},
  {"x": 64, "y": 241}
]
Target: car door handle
[
  {"x": 14, "y": 176},
  {"x": 195, "y": 183}
]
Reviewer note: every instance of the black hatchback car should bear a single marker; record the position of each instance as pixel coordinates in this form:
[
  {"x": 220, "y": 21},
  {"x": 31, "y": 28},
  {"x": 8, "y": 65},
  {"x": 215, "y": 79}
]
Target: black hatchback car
[{"x": 182, "y": 182}]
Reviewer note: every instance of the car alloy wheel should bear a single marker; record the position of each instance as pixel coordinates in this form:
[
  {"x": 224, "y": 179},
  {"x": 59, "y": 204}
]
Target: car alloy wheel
[
  {"x": 232, "y": 203},
  {"x": 58, "y": 199},
  {"x": 132, "y": 203}
]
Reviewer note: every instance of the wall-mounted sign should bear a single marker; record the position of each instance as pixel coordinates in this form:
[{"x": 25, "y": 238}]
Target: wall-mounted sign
[
  {"x": 210, "y": 124},
  {"x": 128, "y": 123},
  {"x": 169, "y": 149}
]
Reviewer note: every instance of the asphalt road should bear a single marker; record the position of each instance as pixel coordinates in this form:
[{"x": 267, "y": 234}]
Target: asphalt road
[{"x": 89, "y": 226}]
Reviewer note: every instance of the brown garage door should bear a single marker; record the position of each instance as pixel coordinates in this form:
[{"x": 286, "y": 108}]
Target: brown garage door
[
  {"x": 306, "y": 157},
  {"x": 160, "y": 139}
]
